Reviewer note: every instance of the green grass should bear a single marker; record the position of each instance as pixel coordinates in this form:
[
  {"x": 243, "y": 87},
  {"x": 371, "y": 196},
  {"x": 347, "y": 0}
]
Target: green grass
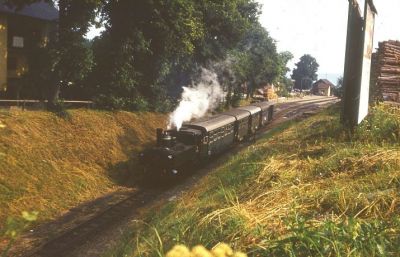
[
  {"x": 308, "y": 188},
  {"x": 49, "y": 164}
]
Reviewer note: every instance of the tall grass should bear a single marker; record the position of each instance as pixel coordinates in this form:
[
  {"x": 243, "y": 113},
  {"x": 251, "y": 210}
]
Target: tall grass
[
  {"x": 51, "y": 164},
  {"x": 310, "y": 188}
]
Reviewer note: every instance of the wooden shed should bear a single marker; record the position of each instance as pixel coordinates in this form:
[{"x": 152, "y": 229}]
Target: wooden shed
[{"x": 322, "y": 87}]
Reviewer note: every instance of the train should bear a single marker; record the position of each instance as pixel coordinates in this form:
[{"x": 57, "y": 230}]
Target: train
[{"x": 178, "y": 151}]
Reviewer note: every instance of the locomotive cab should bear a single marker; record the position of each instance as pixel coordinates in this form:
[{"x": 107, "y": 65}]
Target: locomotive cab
[{"x": 173, "y": 152}]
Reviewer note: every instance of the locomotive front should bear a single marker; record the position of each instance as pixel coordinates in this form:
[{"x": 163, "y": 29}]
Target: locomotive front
[{"x": 174, "y": 151}]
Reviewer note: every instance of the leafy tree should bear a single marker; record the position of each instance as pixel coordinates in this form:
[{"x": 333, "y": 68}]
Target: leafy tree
[
  {"x": 253, "y": 63},
  {"x": 73, "y": 57},
  {"x": 338, "y": 89},
  {"x": 305, "y": 72},
  {"x": 148, "y": 44},
  {"x": 141, "y": 43},
  {"x": 225, "y": 24},
  {"x": 283, "y": 84},
  {"x": 259, "y": 65}
]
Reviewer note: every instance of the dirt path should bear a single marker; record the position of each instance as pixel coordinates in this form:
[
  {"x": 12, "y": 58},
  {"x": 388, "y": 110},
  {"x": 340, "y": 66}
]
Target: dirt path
[{"x": 93, "y": 228}]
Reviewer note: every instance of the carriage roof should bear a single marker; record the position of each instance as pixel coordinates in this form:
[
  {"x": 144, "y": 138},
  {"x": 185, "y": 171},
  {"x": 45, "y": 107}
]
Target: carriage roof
[
  {"x": 252, "y": 109},
  {"x": 237, "y": 113},
  {"x": 263, "y": 105},
  {"x": 212, "y": 123}
]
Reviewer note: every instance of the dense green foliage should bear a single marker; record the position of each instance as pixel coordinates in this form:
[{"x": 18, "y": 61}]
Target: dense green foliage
[
  {"x": 146, "y": 54},
  {"x": 338, "y": 89},
  {"x": 150, "y": 49},
  {"x": 305, "y": 72}
]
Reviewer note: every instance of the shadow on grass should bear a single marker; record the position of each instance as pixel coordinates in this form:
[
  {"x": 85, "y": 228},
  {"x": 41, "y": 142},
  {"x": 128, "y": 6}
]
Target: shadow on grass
[{"x": 130, "y": 173}]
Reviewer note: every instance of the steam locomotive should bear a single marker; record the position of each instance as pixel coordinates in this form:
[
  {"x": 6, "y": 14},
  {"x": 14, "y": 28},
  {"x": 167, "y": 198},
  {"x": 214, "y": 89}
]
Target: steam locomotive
[{"x": 178, "y": 151}]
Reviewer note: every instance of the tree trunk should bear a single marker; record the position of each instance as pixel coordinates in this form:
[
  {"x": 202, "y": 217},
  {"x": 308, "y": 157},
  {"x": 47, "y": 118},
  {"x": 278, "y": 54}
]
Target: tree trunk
[
  {"x": 55, "y": 86},
  {"x": 53, "y": 96}
]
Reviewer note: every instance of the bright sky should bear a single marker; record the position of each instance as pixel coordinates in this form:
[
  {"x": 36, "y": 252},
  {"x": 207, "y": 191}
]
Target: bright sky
[{"x": 319, "y": 27}]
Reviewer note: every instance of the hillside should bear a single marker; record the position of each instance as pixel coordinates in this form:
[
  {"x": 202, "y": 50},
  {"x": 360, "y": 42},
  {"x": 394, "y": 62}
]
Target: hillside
[
  {"x": 308, "y": 188},
  {"x": 49, "y": 164}
]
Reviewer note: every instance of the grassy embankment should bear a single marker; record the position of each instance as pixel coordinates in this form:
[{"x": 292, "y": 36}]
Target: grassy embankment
[
  {"x": 49, "y": 164},
  {"x": 308, "y": 188}
]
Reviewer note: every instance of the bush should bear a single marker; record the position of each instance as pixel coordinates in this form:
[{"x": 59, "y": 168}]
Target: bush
[
  {"x": 382, "y": 125},
  {"x": 121, "y": 103},
  {"x": 59, "y": 109},
  {"x": 14, "y": 227}
]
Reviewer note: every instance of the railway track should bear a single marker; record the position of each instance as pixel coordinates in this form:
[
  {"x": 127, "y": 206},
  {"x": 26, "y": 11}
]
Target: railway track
[
  {"x": 69, "y": 242},
  {"x": 291, "y": 108}
]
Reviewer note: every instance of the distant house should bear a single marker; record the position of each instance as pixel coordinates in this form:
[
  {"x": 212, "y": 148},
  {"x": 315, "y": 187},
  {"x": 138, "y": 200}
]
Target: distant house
[
  {"x": 20, "y": 30},
  {"x": 322, "y": 87},
  {"x": 267, "y": 91}
]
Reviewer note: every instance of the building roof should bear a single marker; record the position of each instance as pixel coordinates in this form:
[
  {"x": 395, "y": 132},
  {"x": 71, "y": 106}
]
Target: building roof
[
  {"x": 324, "y": 81},
  {"x": 40, "y": 10}
]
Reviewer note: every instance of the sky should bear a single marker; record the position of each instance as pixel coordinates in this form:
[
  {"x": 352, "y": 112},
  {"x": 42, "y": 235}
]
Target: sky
[{"x": 319, "y": 27}]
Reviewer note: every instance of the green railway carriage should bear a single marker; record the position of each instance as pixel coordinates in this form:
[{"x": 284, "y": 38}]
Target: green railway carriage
[
  {"x": 242, "y": 123},
  {"x": 255, "y": 116},
  {"x": 267, "y": 110},
  {"x": 218, "y": 134}
]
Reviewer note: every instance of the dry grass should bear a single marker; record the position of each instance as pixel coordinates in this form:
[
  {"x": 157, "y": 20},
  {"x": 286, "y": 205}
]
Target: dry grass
[
  {"x": 49, "y": 164},
  {"x": 311, "y": 189}
]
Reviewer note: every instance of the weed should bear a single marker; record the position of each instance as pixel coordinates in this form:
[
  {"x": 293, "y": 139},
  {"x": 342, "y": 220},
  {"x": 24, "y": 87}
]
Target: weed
[{"x": 14, "y": 227}]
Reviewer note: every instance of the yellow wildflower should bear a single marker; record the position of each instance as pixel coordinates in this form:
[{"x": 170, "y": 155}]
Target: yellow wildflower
[
  {"x": 179, "y": 251},
  {"x": 222, "y": 250},
  {"x": 239, "y": 254},
  {"x": 200, "y": 251}
]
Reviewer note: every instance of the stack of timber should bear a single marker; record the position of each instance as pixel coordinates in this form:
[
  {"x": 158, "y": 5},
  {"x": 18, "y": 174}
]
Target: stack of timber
[
  {"x": 387, "y": 70},
  {"x": 375, "y": 92}
]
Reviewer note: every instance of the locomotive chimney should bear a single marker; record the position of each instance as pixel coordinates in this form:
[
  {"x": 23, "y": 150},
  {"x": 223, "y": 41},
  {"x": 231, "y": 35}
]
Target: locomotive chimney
[{"x": 160, "y": 133}]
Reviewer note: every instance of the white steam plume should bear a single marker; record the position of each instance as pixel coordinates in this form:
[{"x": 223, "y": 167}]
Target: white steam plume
[{"x": 197, "y": 100}]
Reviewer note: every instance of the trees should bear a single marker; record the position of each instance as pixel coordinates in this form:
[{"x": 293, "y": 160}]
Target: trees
[
  {"x": 149, "y": 47},
  {"x": 72, "y": 55},
  {"x": 258, "y": 58},
  {"x": 338, "y": 89},
  {"x": 149, "y": 43},
  {"x": 283, "y": 84},
  {"x": 141, "y": 43},
  {"x": 305, "y": 72},
  {"x": 253, "y": 63}
]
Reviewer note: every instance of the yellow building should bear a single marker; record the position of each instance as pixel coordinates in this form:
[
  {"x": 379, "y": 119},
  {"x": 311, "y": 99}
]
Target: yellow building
[{"x": 20, "y": 30}]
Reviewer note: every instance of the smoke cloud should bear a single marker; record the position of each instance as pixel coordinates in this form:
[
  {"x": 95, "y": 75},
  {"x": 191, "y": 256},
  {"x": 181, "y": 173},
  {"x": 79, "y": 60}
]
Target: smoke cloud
[{"x": 197, "y": 99}]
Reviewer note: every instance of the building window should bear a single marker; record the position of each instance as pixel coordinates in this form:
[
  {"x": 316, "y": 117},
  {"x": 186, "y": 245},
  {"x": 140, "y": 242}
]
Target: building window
[{"x": 18, "y": 42}]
